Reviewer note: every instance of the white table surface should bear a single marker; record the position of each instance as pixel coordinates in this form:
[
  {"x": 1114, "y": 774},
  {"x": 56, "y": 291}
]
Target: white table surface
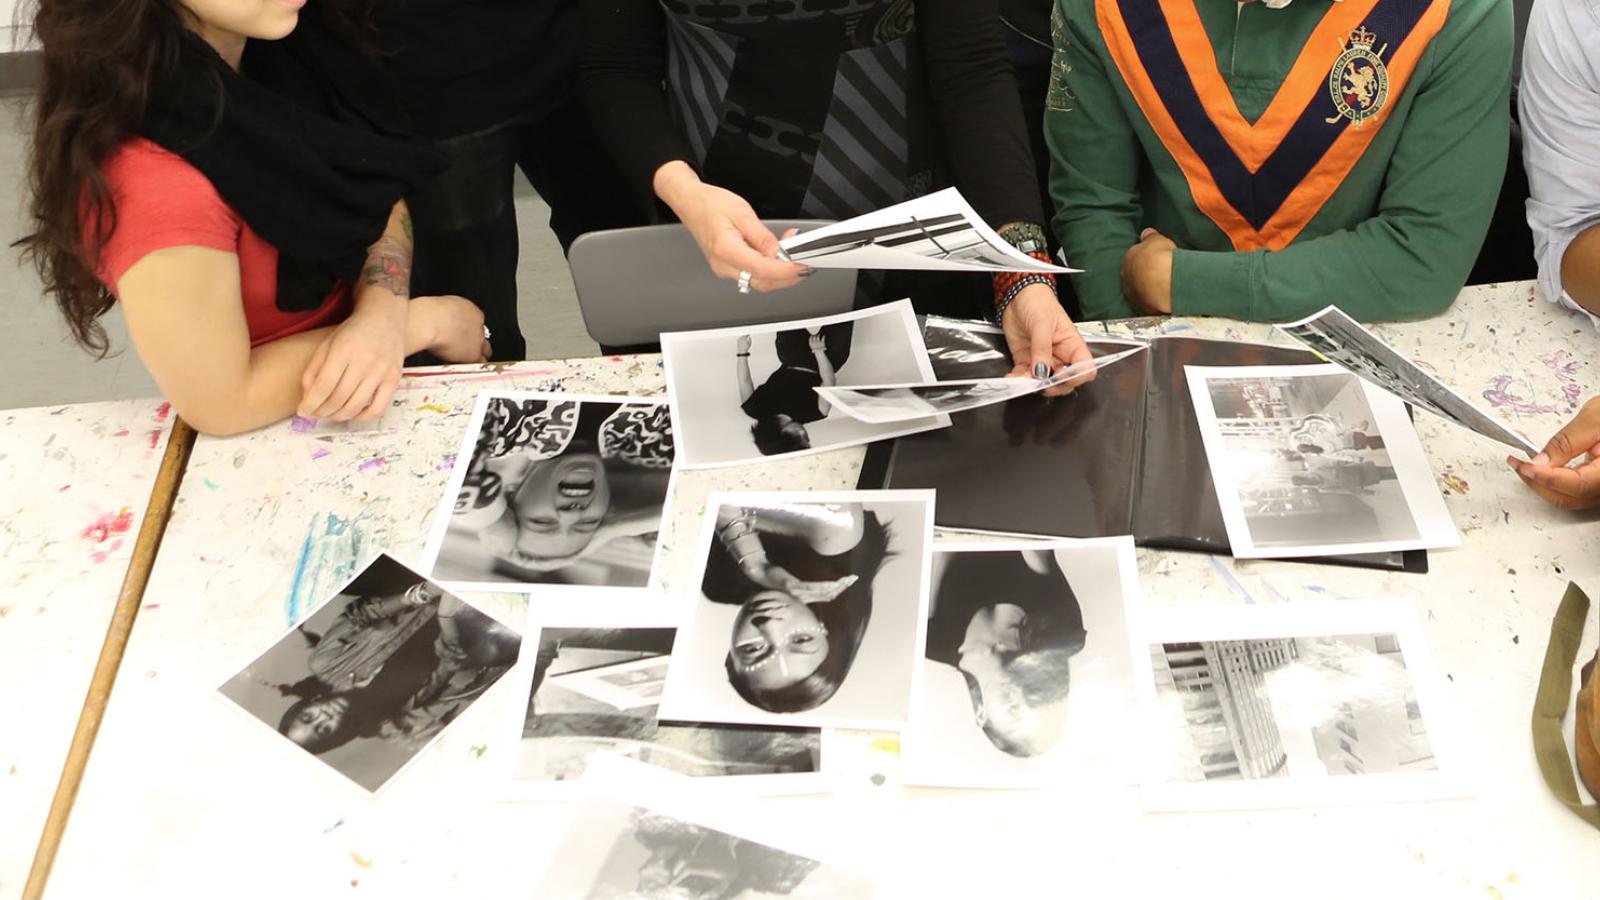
[
  {"x": 185, "y": 797},
  {"x": 63, "y": 471}
]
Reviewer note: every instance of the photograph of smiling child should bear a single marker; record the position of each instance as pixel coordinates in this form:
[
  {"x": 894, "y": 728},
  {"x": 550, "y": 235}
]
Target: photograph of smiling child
[{"x": 555, "y": 490}]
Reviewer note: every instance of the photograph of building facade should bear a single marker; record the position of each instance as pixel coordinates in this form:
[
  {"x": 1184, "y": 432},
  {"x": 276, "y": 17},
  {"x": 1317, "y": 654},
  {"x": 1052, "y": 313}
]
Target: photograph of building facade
[
  {"x": 1228, "y": 729},
  {"x": 1381, "y": 731}
]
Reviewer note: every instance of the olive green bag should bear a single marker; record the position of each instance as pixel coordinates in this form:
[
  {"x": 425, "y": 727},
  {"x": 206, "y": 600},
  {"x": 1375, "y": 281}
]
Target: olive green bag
[{"x": 1550, "y": 708}]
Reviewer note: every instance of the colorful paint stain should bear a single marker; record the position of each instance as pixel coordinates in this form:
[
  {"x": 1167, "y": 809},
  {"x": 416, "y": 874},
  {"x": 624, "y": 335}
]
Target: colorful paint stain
[
  {"x": 434, "y": 407},
  {"x": 372, "y": 463},
  {"x": 320, "y": 452},
  {"x": 328, "y": 557},
  {"x": 109, "y": 525},
  {"x": 1500, "y": 396},
  {"x": 162, "y": 412},
  {"x": 302, "y": 425}
]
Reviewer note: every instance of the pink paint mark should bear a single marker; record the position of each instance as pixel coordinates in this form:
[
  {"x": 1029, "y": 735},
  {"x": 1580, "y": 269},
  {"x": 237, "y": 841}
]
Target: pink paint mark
[
  {"x": 151, "y": 606},
  {"x": 163, "y": 411},
  {"x": 100, "y": 556},
  {"x": 122, "y": 433},
  {"x": 320, "y": 452},
  {"x": 302, "y": 425},
  {"x": 372, "y": 463},
  {"x": 155, "y": 437},
  {"x": 449, "y": 463},
  {"x": 63, "y": 488},
  {"x": 101, "y": 529}
]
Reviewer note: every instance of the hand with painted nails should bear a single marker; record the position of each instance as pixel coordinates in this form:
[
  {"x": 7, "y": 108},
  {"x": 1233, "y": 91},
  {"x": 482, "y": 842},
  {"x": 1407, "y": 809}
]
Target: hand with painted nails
[
  {"x": 1567, "y": 473},
  {"x": 1040, "y": 333},
  {"x": 729, "y": 232},
  {"x": 775, "y": 577}
]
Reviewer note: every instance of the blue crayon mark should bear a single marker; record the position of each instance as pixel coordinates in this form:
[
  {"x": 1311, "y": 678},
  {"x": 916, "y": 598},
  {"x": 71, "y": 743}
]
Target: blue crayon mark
[{"x": 1223, "y": 571}]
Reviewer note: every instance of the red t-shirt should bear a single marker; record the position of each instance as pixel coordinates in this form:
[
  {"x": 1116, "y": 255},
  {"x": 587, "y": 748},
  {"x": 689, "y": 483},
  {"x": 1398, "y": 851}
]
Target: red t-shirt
[{"x": 163, "y": 201}]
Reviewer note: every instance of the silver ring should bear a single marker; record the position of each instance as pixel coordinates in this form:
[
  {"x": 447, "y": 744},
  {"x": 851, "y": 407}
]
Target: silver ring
[
  {"x": 486, "y": 335},
  {"x": 744, "y": 282}
]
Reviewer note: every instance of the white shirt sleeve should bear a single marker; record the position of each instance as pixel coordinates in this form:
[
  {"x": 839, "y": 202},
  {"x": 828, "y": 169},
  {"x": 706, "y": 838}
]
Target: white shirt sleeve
[{"x": 1559, "y": 106}]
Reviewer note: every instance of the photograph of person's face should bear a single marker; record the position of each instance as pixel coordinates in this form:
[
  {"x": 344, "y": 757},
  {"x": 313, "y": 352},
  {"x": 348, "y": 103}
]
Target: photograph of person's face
[
  {"x": 561, "y": 505},
  {"x": 777, "y": 641},
  {"x": 318, "y": 720},
  {"x": 558, "y": 490}
]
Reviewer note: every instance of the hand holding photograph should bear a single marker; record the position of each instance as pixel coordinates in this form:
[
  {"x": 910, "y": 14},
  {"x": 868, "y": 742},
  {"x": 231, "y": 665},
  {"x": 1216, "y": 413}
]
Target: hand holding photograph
[
  {"x": 1313, "y": 461},
  {"x": 1340, "y": 339},
  {"x": 556, "y": 491},
  {"x": 742, "y": 395},
  {"x": 935, "y": 231},
  {"x": 883, "y": 403},
  {"x": 596, "y": 691},
  {"x": 370, "y": 678},
  {"x": 810, "y": 610},
  {"x": 1309, "y": 704},
  {"x": 1026, "y": 675},
  {"x": 640, "y": 835}
]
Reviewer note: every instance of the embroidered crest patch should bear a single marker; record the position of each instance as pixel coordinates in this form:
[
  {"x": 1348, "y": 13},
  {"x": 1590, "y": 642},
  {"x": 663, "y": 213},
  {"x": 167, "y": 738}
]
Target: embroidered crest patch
[{"x": 1358, "y": 81}]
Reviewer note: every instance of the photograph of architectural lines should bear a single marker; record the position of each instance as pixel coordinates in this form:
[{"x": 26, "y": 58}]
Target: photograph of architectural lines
[{"x": 1290, "y": 707}]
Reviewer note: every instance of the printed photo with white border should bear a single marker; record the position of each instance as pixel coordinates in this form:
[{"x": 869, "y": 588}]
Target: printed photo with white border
[
  {"x": 371, "y": 677},
  {"x": 561, "y": 493},
  {"x": 1342, "y": 340},
  {"x": 810, "y": 610},
  {"x": 596, "y": 691},
  {"x": 640, "y": 832},
  {"x": 1313, "y": 461},
  {"x": 880, "y": 403},
  {"x": 1026, "y": 677},
  {"x": 1304, "y": 704},
  {"x": 746, "y": 394}
]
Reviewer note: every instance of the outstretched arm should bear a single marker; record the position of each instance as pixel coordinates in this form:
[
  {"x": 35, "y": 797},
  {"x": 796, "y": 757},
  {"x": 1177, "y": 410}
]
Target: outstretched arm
[
  {"x": 819, "y": 352},
  {"x": 741, "y": 368}
]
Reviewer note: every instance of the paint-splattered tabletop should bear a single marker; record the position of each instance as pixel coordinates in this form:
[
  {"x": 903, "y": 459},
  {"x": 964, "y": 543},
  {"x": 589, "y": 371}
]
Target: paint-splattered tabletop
[
  {"x": 74, "y": 481},
  {"x": 185, "y": 796}
]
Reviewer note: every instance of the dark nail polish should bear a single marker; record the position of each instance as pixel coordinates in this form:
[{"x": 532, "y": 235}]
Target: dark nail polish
[
  {"x": 807, "y": 273},
  {"x": 1041, "y": 370}
]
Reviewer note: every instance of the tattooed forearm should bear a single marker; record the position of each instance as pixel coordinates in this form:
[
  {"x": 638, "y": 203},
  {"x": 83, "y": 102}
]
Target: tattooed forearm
[{"x": 389, "y": 262}]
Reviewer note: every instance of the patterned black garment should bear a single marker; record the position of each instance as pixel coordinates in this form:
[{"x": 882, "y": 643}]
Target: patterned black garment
[{"x": 814, "y": 108}]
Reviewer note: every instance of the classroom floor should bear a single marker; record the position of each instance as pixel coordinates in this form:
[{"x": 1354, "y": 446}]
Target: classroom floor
[{"x": 45, "y": 367}]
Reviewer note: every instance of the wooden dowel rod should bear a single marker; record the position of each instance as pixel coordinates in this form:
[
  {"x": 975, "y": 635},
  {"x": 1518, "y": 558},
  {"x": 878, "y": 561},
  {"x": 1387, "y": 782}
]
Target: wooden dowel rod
[{"x": 129, "y": 599}]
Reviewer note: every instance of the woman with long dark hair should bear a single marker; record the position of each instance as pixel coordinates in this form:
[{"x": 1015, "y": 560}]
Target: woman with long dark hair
[
  {"x": 802, "y": 576},
  {"x": 1010, "y": 623},
  {"x": 233, "y": 175}
]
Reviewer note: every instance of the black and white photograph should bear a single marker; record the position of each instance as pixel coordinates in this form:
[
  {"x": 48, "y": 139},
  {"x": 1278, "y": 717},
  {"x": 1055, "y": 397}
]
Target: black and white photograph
[
  {"x": 555, "y": 492},
  {"x": 742, "y": 395},
  {"x": 370, "y": 679},
  {"x": 1302, "y": 703},
  {"x": 640, "y": 836},
  {"x": 1313, "y": 461},
  {"x": 884, "y": 403},
  {"x": 965, "y": 350},
  {"x": 1342, "y": 340},
  {"x": 1026, "y": 672},
  {"x": 935, "y": 231},
  {"x": 596, "y": 690},
  {"x": 810, "y": 610}
]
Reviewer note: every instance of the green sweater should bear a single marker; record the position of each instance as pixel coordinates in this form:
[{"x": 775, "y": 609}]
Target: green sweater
[{"x": 1396, "y": 241}]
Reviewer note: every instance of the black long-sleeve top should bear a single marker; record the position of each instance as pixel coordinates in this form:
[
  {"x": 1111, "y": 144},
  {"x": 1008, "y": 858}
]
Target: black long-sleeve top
[{"x": 824, "y": 108}]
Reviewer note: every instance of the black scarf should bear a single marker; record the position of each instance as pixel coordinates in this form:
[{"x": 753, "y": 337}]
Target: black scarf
[{"x": 309, "y": 149}]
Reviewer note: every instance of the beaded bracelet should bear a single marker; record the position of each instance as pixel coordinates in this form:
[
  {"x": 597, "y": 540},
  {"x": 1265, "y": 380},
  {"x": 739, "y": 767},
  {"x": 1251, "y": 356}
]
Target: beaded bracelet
[{"x": 1028, "y": 279}]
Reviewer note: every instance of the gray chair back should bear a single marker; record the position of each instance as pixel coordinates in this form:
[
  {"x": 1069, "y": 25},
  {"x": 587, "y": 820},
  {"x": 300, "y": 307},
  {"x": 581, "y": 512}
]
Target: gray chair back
[{"x": 634, "y": 283}]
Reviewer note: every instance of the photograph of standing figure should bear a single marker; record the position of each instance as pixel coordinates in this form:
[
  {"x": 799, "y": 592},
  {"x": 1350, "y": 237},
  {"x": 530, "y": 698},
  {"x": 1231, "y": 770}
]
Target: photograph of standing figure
[
  {"x": 785, "y": 402},
  {"x": 373, "y": 676},
  {"x": 810, "y": 610},
  {"x": 1311, "y": 460},
  {"x": 748, "y": 394},
  {"x": 596, "y": 690},
  {"x": 555, "y": 490},
  {"x": 1017, "y": 690}
]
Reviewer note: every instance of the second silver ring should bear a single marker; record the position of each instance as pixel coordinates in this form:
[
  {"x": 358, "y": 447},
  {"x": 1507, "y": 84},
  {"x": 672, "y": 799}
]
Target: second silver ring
[{"x": 744, "y": 282}]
